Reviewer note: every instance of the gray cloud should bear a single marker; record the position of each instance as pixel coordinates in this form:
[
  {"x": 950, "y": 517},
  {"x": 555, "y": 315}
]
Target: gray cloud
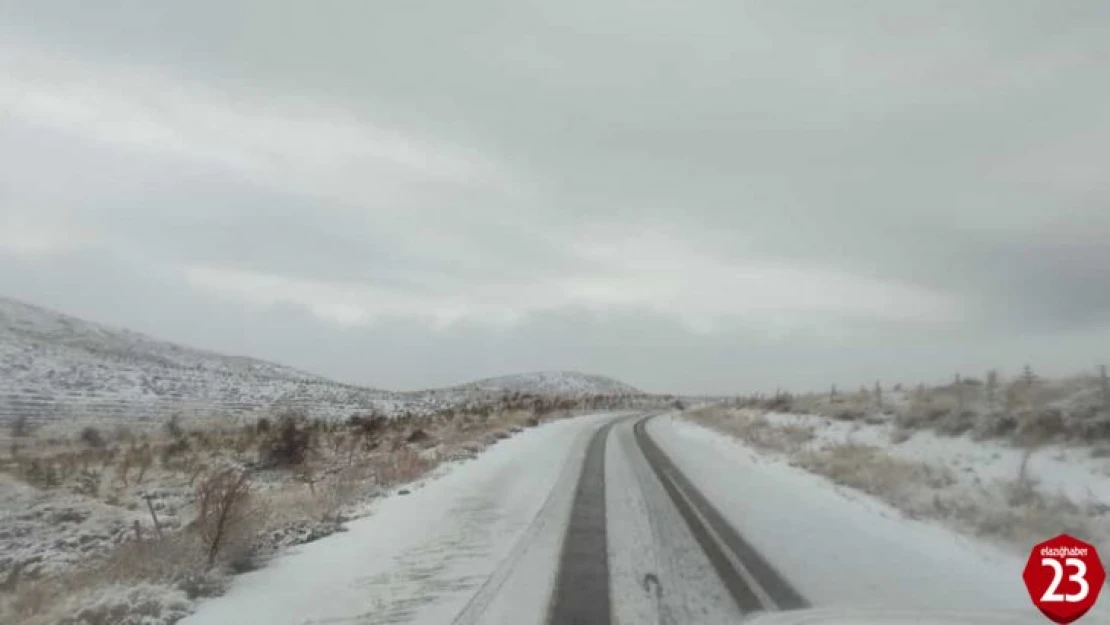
[{"x": 516, "y": 185}]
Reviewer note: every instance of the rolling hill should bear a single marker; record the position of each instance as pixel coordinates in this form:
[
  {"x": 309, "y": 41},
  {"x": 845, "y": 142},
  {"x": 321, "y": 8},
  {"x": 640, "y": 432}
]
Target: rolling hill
[
  {"x": 551, "y": 383},
  {"x": 55, "y": 366}
]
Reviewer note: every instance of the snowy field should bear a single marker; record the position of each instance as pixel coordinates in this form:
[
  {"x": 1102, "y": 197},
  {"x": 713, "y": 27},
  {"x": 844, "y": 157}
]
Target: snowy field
[
  {"x": 1078, "y": 472},
  {"x": 479, "y": 543},
  {"x": 856, "y": 511},
  {"x": 846, "y": 548},
  {"x": 1011, "y": 495}
]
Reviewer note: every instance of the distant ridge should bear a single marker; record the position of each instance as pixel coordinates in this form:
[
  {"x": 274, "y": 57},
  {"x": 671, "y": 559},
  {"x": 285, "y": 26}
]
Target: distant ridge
[
  {"x": 552, "y": 382},
  {"x": 55, "y": 366}
]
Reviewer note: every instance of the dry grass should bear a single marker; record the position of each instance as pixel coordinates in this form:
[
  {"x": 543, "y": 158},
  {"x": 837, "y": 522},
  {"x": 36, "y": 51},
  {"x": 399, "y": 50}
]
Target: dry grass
[
  {"x": 755, "y": 429},
  {"x": 873, "y": 471},
  {"x": 307, "y": 479},
  {"x": 307, "y": 475},
  {"x": 341, "y": 467},
  {"x": 1015, "y": 511},
  {"x": 403, "y": 466},
  {"x": 1024, "y": 406},
  {"x": 862, "y": 467},
  {"x": 176, "y": 560},
  {"x": 226, "y": 516}
]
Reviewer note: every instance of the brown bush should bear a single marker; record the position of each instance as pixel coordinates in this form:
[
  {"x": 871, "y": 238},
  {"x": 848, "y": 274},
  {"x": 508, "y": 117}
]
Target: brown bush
[
  {"x": 401, "y": 466},
  {"x": 756, "y": 430},
  {"x": 222, "y": 509},
  {"x": 287, "y": 446},
  {"x": 92, "y": 437},
  {"x": 368, "y": 426},
  {"x": 871, "y": 470}
]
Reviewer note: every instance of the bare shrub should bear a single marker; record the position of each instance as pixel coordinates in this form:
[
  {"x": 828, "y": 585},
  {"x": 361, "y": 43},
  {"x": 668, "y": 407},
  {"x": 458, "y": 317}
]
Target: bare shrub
[
  {"x": 995, "y": 425},
  {"x": 992, "y": 389},
  {"x": 756, "y": 430},
  {"x": 174, "y": 451},
  {"x": 782, "y": 402},
  {"x": 871, "y": 470},
  {"x": 173, "y": 427},
  {"x": 286, "y": 446},
  {"x": 368, "y": 426},
  {"x": 900, "y": 435},
  {"x": 123, "y": 434},
  {"x": 138, "y": 605},
  {"x": 848, "y": 414},
  {"x": 811, "y": 403},
  {"x": 21, "y": 426},
  {"x": 144, "y": 459},
  {"x": 1091, "y": 424},
  {"x": 404, "y": 465},
  {"x": 418, "y": 436},
  {"x": 222, "y": 509},
  {"x": 338, "y": 493},
  {"x": 1041, "y": 424},
  {"x": 956, "y": 422},
  {"x": 88, "y": 484},
  {"x": 1027, "y": 514},
  {"x": 174, "y": 561},
  {"x": 92, "y": 437},
  {"x": 40, "y": 472}
]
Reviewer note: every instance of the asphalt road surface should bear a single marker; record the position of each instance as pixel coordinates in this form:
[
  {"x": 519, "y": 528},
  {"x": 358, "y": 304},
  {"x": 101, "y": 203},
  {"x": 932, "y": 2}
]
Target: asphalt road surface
[
  {"x": 583, "y": 592},
  {"x": 601, "y": 520}
]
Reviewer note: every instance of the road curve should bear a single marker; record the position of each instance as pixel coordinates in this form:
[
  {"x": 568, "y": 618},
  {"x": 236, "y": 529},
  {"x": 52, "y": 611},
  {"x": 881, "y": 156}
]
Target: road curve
[
  {"x": 754, "y": 584},
  {"x": 582, "y": 588},
  {"x": 578, "y": 521},
  {"x": 563, "y": 524}
]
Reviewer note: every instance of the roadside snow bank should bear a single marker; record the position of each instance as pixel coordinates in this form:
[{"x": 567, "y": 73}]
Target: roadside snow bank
[
  {"x": 839, "y": 546},
  {"x": 987, "y": 488},
  {"x": 1067, "y": 469}
]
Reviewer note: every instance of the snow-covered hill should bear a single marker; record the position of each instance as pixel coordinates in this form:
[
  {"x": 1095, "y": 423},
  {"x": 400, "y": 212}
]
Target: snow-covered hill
[
  {"x": 53, "y": 366},
  {"x": 57, "y": 367},
  {"x": 552, "y": 383}
]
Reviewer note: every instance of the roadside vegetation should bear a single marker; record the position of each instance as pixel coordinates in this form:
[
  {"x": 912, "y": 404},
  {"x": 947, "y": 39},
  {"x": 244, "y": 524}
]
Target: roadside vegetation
[
  {"x": 133, "y": 526},
  {"x": 1014, "y": 460}
]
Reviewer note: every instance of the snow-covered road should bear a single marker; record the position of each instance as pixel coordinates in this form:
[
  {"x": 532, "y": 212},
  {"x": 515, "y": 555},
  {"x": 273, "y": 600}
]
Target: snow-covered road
[
  {"x": 488, "y": 542},
  {"x": 484, "y": 530}
]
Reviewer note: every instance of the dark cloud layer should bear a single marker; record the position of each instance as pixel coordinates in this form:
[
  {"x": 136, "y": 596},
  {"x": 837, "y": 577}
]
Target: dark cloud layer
[{"x": 689, "y": 195}]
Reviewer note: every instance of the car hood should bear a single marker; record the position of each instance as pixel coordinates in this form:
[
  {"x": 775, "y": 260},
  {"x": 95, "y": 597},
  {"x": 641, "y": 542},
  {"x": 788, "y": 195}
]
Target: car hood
[{"x": 849, "y": 616}]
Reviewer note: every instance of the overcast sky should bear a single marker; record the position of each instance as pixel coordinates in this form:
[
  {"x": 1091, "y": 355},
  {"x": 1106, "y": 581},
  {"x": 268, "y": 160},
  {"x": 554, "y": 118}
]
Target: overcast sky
[{"x": 709, "y": 196}]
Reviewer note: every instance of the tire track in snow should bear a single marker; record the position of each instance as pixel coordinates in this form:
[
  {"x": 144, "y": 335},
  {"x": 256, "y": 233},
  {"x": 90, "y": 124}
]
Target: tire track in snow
[
  {"x": 548, "y": 514},
  {"x": 582, "y": 588},
  {"x": 421, "y": 577},
  {"x": 660, "y": 574},
  {"x": 753, "y": 583}
]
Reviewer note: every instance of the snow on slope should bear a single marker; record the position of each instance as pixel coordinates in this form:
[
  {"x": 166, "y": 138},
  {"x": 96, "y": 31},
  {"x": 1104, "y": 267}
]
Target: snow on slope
[
  {"x": 57, "y": 367},
  {"x": 551, "y": 383}
]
